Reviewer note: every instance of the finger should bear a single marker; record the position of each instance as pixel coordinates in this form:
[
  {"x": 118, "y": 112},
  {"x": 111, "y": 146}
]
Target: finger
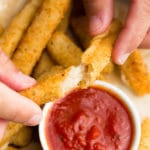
[
  {"x": 15, "y": 107},
  {"x": 100, "y": 14},
  {"x": 146, "y": 42},
  {"x": 3, "y": 125},
  {"x": 11, "y": 76},
  {"x": 134, "y": 31}
]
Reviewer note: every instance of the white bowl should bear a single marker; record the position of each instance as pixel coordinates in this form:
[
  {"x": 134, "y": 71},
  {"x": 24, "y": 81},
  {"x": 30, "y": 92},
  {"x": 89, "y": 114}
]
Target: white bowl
[{"x": 122, "y": 97}]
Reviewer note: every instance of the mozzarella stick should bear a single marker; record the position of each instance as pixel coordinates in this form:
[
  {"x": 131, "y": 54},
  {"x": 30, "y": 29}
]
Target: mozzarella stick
[
  {"x": 39, "y": 33},
  {"x": 63, "y": 50},
  {"x": 80, "y": 28},
  {"x": 51, "y": 87},
  {"x": 145, "y": 137},
  {"x": 136, "y": 74},
  {"x": 98, "y": 54},
  {"x": 14, "y": 32},
  {"x": 44, "y": 65}
]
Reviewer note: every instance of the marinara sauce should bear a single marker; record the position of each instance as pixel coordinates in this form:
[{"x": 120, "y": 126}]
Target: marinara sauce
[{"x": 89, "y": 119}]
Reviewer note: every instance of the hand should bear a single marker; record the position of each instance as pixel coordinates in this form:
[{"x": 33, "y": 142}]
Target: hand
[
  {"x": 136, "y": 30},
  {"x": 13, "y": 106}
]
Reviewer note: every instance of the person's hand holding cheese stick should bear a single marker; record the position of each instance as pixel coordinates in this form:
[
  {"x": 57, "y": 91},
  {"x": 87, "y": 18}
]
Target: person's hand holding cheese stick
[{"x": 136, "y": 30}]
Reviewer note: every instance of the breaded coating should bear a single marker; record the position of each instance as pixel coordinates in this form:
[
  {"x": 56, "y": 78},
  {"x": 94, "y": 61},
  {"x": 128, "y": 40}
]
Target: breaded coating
[
  {"x": 14, "y": 32},
  {"x": 39, "y": 33},
  {"x": 53, "y": 70},
  {"x": 51, "y": 87},
  {"x": 12, "y": 129},
  {"x": 44, "y": 65},
  {"x": 136, "y": 74},
  {"x": 80, "y": 28},
  {"x": 64, "y": 51},
  {"x": 63, "y": 26},
  {"x": 98, "y": 54},
  {"x": 23, "y": 137},
  {"x": 145, "y": 137},
  {"x": 109, "y": 68}
]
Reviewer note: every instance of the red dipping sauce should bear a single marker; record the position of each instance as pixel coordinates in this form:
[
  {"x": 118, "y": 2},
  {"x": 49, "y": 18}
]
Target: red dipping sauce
[{"x": 89, "y": 119}]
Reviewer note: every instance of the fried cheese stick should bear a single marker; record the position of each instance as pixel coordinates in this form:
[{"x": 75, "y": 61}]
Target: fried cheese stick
[
  {"x": 39, "y": 33},
  {"x": 145, "y": 137},
  {"x": 51, "y": 87},
  {"x": 98, "y": 54},
  {"x": 14, "y": 32},
  {"x": 80, "y": 28},
  {"x": 136, "y": 74},
  {"x": 64, "y": 51},
  {"x": 45, "y": 62},
  {"x": 44, "y": 65}
]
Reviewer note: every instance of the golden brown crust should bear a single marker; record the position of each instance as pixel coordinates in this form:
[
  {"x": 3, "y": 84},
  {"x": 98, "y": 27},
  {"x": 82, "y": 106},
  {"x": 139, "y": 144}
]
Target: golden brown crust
[
  {"x": 136, "y": 73},
  {"x": 145, "y": 137},
  {"x": 49, "y": 87},
  {"x": 53, "y": 70},
  {"x": 109, "y": 68},
  {"x": 63, "y": 50},
  {"x": 44, "y": 64},
  {"x": 14, "y": 32},
  {"x": 39, "y": 33}
]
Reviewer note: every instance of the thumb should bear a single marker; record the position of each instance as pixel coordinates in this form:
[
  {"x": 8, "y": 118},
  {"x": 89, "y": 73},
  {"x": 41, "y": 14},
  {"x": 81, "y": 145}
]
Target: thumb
[{"x": 100, "y": 14}]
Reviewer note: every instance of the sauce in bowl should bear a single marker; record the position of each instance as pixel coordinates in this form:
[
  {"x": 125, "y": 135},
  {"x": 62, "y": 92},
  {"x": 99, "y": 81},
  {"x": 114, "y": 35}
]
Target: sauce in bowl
[
  {"x": 89, "y": 119},
  {"x": 95, "y": 118}
]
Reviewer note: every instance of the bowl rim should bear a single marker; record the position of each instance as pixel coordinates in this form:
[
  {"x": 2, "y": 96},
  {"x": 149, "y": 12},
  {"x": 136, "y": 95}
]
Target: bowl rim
[{"x": 122, "y": 96}]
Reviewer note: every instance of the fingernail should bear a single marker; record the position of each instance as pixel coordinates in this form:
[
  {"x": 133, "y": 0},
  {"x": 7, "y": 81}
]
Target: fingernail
[
  {"x": 35, "y": 120},
  {"x": 123, "y": 58},
  {"x": 26, "y": 80},
  {"x": 95, "y": 25}
]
